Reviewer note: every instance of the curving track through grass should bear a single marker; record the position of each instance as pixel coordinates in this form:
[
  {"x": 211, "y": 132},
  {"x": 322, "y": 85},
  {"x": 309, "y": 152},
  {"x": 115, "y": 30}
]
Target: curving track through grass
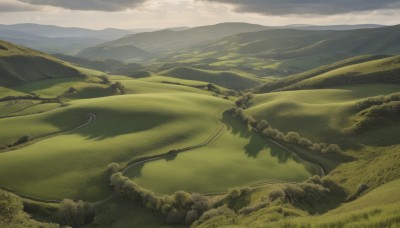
[{"x": 92, "y": 118}]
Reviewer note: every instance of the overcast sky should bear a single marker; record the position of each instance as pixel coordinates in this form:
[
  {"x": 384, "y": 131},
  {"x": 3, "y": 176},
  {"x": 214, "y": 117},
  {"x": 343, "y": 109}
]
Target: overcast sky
[{"x": 98, "y": 14}]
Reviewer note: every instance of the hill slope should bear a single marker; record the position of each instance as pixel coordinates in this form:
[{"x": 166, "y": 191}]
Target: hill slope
[
  {"x": 19, "y": 65},
  {"x": 356, "y": 70},
  {"x": 169, "y": 40},
  {"x": 225, "y": 79},
  {"x": 281, "y": 52},
  {"x": 126, "y": 53}
]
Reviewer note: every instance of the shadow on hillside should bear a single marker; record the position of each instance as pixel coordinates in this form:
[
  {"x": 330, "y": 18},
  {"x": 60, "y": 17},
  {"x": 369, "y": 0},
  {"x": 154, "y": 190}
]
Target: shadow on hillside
[{"x": 256, "y": 143}]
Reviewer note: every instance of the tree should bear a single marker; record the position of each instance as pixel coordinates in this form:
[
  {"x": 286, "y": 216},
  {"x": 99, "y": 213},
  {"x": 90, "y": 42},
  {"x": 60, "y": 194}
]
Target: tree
[
  {"x": 113, "y": 168},
  {"x": 104, "y": 79},
  {"x": 117, "y": 86}
]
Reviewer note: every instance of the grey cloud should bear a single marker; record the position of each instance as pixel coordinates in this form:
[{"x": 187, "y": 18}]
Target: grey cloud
[
  {"x": 317, "y": 7},
  {"x": 96, "y": 5},
  {"x": 16, "y": 7}
]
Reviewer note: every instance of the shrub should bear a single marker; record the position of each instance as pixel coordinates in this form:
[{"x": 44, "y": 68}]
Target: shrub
[
  {"x": 292, "y": 137},
  {"x": 220, "y": 211},
  {"x": 104, "y": 79},
  {"x": 23, "y": 139},
  {"x": 113, "y": 168},
  {"x": 75, "y": 214},
  {"x": 276, "y": 194}
]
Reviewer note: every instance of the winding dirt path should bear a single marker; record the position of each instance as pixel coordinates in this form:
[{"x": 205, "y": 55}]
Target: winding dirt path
[
  {"x": 92, "y": 118},
  {"x": 218, "y": 131}
]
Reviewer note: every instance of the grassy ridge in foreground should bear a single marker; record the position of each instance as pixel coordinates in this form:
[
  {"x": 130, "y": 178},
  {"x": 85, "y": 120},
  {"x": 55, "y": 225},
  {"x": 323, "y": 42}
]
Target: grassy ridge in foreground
[
  {"x": 322, "y": 114},
  {"x": 127, "y": 127}
]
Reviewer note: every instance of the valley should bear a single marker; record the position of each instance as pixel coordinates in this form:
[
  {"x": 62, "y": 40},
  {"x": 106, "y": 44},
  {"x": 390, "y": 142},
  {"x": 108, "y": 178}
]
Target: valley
[{"x": 227, "y": 125}]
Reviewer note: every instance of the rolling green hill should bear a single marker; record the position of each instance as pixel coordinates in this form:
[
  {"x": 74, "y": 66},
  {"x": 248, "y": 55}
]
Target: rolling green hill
[
  {"x": 282, "y": 52},
  {"x": 229, "y": 80},
  {"x": 323, "y": 114},
  {"x": 293, "y": 79},
  {"x": 125, "y": 53},
  {"x": 19, "y": 65},
  {"x": 385, "y": 70}
]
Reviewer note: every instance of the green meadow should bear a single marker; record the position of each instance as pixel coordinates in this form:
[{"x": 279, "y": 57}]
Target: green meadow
[{"x": 238, "y": 157}]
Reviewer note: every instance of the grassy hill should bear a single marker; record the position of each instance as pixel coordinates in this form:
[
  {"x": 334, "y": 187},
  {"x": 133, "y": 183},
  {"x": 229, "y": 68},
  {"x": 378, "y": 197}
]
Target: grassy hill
[
  {"x": 229, "y": 80},
  {"x": 113, "y": 137},
  {"x": 282, "y": 52},
  {"x": 169, "y": 40},
  {"x": 323, "y": 114},
  {"x": 384, "y": 70},
  {"x": 19, "y": 65},
  {"x": 293, "y": 79},
  {"x": 125, "y": 53}
]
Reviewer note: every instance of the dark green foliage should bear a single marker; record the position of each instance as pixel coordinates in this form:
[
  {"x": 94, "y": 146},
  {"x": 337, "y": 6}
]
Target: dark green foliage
[
  {"x": 75, "y": 214},
  {"x": 244, "y": 100},
  {"x": 22, "y": 140},
  {"x": 118, "y": 87},
  {"x": 10, "y": 207},
  {"x": 264, "y": 128},
  {"x": 113, "y": 168},
  {"x": 179, "y": 208},
  {"x": 71, "y": 90},
  {"x": 376, "y": 116},
  {"x": 215, "y": 212},
  {"x": 104, "y": 79}
]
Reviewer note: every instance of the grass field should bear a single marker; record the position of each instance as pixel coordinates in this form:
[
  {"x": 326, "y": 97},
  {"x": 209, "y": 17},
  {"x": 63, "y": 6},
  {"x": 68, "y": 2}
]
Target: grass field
[
  {"x": 238, "y": 157},
  {"x": 319, "y": 114},
  {"x": 229, "y": 80},
  {"x": 126, "y": 128}
]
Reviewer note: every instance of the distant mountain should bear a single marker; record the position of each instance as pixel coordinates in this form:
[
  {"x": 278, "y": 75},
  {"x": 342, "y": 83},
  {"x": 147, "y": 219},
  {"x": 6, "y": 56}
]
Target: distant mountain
[
  {"x": 332, "y": 27},
  {"x": 282, "y": 52},
  {"x": 53, "y": 31},
  {"x": 165, "y": 40},
  {"x": 19, "y": 65},
  {"x": 66, "y": 45}
]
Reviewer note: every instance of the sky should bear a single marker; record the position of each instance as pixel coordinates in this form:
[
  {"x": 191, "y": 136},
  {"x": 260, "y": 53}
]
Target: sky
[{"x": 130, "y": 14}]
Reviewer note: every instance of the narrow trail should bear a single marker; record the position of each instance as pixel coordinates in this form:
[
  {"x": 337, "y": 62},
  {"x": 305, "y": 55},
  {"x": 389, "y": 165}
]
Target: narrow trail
[
  {"x": 92, "y": 118},
  {"x": 218, "y": 131}
]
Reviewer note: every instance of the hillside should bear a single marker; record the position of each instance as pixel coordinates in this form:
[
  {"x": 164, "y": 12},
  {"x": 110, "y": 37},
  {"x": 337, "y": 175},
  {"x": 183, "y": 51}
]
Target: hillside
[
  {"x": 19, "y": 65},
  {"x": 282, "y": 52},
  {"x": 125, "y": 53},
  {"x": 166, "y": 40},
  {"x": 356, "y": 70},
  {"x": 229, "y": 80},
  {"x": 52, "y": 31}
]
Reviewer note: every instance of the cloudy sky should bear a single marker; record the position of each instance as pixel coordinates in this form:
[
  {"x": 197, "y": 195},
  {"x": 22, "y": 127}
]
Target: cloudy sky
[{"x": 100, "y": 14}]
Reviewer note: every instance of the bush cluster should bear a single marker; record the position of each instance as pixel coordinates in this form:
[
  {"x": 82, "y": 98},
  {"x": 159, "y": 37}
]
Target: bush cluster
[
  {"x": 181, "y": 208},
  {"x": 118, "y": 87},
  {"x": 311, "y": 190},
  {"x": 264, "y": 128},
  {"x": 244, "y": 100},
  {"x": 75, "y": 214},
  {"x": 379, "y": 100}
]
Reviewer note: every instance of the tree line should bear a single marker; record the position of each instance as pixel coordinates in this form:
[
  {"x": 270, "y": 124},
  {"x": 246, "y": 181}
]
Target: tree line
[{"x": 264, "y": 128}]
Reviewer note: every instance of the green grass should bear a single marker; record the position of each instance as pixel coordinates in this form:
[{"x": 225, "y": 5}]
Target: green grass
[
  {"x": 229, "y": 80},
  {"x": 19, "y": 65},
  {"x": 321, "y": 114},
  {"x": 127, "y": 127},
  {"x": 117, "y": 213},
  {"x": 238, "y": 157}
]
